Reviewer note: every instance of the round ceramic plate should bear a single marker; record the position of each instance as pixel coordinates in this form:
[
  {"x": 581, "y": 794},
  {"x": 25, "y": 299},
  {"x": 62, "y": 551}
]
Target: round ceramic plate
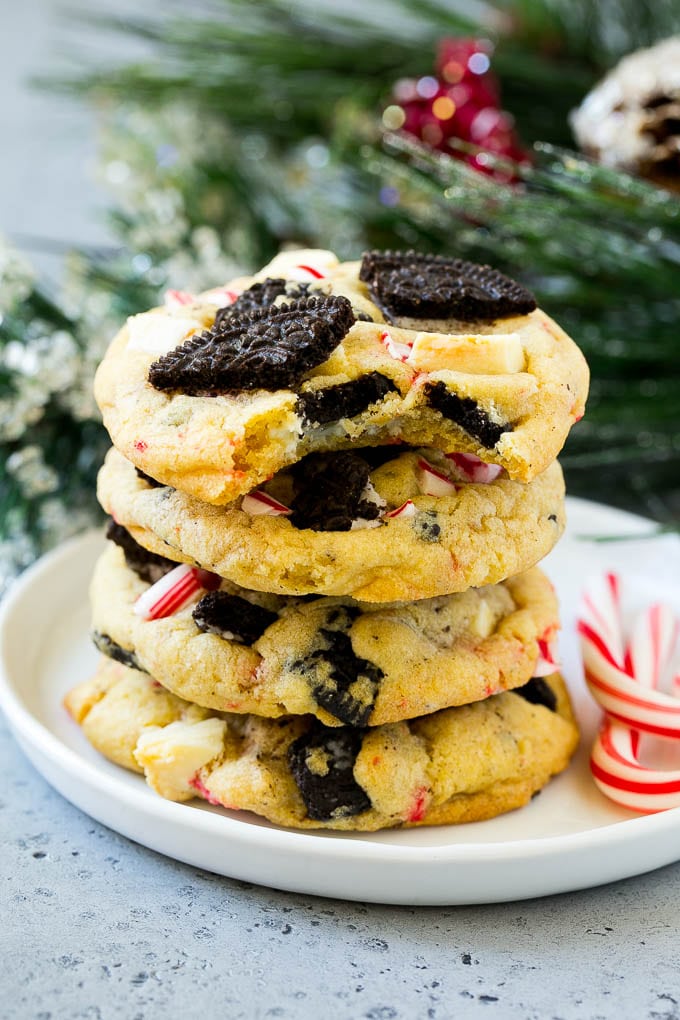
[{"x": 570, "y": 837}]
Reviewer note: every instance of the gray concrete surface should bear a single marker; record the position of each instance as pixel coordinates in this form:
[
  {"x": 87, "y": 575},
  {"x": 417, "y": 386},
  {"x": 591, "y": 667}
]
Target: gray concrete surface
[{"x": 95, "y": 927}]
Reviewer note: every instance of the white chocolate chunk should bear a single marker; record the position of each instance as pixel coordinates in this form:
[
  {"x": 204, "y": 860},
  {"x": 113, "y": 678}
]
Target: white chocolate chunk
[
  {"x": 484, "y": 620},
  {"x": 480, "y": 353},
  {"x": 158, "y": 333},
  {"x": 172, "y": 755}
]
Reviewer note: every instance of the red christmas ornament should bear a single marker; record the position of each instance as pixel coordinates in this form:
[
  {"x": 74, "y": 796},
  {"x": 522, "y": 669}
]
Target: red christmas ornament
[{"x": 462, "y": 102}]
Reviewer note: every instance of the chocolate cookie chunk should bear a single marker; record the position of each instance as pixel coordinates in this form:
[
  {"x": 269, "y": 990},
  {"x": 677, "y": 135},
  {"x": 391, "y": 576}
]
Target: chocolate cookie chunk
[
  {"x": 343, "y": 662},
  {"x": 232, "y": 617},
  {"x": 427, "y": 527},
  {"x": 146, "y": 565},
  {"x": 341, "y": 681},
  {"x": 330, "y": 492},
  {"x": 148, "y": 479},
  {"x": 322, "y": 763},
  {"x": 107, "y": 646},
  {"x": 466, "y": 413},
  {"x": 343, "y": 401},
  {"x": 269, "y": 349},
  {"x": 539, "y": 692},
  {"x": 261, "y": 295},
  {"x": 438, "y": 287}
]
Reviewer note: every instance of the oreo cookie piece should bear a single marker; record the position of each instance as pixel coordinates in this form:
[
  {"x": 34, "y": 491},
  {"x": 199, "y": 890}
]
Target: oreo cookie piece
[
  {"x": 232, "y": 617},
  {"x": 261, "y": 295},
  {"x": 322, "y": 764},
  {"x": 438, "y": 287},
  {"x": 348, "y": 685},
  {"x": 376, "y": 456},
  {"x": 329, "y": 492},
  {"x": 148, "y": 566},
  {"x": 427, "y": 527},
  {"x": 148, "y": 479},
  {"x": 270, "y": 349},
  {"x": 345, "y": 400},
  {"x": 538, "y": 692},
  {"x": 107, "y": 646},
  {"x": 465, "y": 412}
]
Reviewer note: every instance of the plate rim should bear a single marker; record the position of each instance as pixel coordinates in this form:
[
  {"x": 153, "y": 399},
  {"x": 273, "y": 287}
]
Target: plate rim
[{"x": 28, "y": 728}]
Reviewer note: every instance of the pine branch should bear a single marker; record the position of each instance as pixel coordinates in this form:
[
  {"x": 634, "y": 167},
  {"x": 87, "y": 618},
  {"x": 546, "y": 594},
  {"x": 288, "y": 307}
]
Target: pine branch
[{"x": 290, "y": 96}]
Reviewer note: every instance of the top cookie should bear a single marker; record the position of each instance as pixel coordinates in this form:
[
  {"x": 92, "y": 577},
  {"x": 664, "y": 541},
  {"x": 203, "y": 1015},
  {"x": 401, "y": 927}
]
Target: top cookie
[{"x": 213, "y": 394}]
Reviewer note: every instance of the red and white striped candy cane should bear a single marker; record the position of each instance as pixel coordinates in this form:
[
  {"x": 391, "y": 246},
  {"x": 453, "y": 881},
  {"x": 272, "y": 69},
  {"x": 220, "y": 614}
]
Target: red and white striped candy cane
[
  {"x": 620, "y": 776},
  {"x": 173, "y": 591},
  {"x": 624, "y": 679}
]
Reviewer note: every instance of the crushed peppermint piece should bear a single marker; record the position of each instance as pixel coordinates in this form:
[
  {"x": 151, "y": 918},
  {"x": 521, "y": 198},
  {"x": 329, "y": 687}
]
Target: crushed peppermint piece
[
  {"x": 399, "y": 351},
  {"x": 221, "y": 296},
  {"x": 177, "y": 298},
  {"x": 548, "y": 660},
  {"x": 170, "y": 594},
  {"x": 474, "y": 469},
  {"x": 257, "y": 503},
  {"x": 432, "y": 482},
  {"x": 407, "y": 509}
]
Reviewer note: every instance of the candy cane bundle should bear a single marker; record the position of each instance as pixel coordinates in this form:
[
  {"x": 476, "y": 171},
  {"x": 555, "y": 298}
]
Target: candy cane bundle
[{"x": 624, "y": 677}]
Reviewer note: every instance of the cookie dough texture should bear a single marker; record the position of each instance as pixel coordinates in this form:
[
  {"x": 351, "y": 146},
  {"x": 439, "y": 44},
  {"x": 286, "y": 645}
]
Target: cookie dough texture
[
  {"x": 458, "y": 765},
  {"x": 480, "y": 535},
  {"x": 428, "y": 655},
  {"x": 216, "y": 448}
]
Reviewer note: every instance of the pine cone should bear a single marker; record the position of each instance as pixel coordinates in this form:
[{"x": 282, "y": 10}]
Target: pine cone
[{"x": 631, "y": 119}]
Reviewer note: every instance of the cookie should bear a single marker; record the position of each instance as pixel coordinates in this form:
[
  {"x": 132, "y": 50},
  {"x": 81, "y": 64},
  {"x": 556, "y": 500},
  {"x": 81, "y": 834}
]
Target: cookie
[
  {"x": 458, "y": 765},
  {"x": 361, "y": 523},
  {"x": 345, "y": 662},
  {"x": 437, "y": 287},
  {"x": 213, "y": 399}
]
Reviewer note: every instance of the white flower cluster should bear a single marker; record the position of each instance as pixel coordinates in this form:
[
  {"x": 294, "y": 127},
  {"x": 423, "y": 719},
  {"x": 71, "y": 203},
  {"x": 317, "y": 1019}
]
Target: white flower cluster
[
  {"x": 44, "y": 373},
  {"x": 154, "y": 162},
  {"x": 44, "y": 363},
  {"x": 16, "y": 279}
]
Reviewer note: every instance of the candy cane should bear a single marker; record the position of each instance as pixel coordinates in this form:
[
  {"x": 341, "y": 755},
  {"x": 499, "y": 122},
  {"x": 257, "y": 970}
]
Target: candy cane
[
  {"x": 173, "y": 591},
  {"x": 620, "y": 776},
  {"x": 624, "y": 679},
  {"x": 623, "y": 696}
]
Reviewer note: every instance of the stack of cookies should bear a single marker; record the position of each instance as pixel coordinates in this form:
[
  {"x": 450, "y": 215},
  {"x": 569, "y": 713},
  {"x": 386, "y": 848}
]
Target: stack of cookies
[{"x": 329, "y": 488}]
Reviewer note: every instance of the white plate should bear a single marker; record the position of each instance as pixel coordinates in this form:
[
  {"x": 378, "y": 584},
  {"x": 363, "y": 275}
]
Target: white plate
[{"x": 570, "y": 837}]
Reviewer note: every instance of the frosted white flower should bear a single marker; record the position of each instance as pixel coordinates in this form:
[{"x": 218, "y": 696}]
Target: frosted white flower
[
  {"x": 57, "y": 521},
  {"x": 22, "y": 409},
  {"x": 16, "y": 278},
  {"x": 34, "y": 476},
  {"x": 16, "y": 553}
]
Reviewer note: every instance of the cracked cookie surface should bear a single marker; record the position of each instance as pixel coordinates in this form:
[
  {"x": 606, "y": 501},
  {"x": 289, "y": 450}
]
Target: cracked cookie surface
[
  {"x": 480, "y": 533},
  {"x": 457, "y": 765},
  {"x": 444, "y": 383},
  {"x": 345, "y": 662}
]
